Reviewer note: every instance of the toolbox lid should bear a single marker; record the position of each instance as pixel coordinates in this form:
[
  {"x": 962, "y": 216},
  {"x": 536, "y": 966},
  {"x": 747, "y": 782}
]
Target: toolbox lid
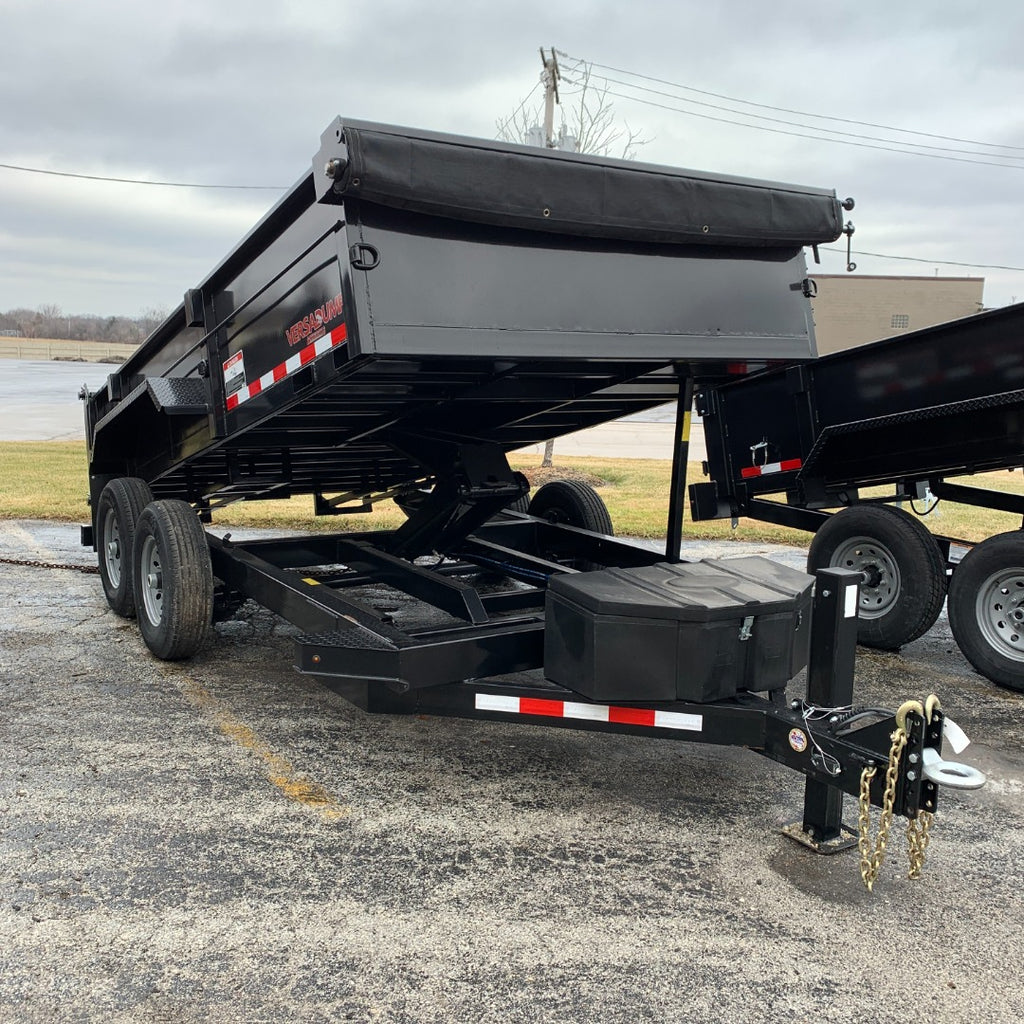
[{"x": 704, "y": 591}]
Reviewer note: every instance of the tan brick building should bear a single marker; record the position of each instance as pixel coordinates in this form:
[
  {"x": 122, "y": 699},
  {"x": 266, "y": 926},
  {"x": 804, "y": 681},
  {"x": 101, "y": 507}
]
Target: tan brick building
[{"x": 852, "y": 309}]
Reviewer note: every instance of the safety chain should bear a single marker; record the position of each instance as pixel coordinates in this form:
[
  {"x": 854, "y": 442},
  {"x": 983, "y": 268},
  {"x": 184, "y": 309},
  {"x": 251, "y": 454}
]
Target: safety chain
[
  {"x": 919, "y": 828},
  {"x": 917, "y": 838},
  {"x": 872, "y": 855},
  {"x": 90, "y": 569}
]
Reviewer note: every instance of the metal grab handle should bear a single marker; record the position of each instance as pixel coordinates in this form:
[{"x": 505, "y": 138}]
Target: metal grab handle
[
  {"x": 950, "y": 773},
  {"x": 848, "y": 231},
  {"x": 364, "y": 256}
]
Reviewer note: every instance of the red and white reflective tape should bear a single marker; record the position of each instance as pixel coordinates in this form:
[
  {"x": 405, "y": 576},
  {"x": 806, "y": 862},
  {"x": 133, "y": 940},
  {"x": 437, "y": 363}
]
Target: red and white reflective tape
[
  {"x": 589, "y": 712},
  {"x": 306, "y": 355},
  {"x": 772, "y": 467}
]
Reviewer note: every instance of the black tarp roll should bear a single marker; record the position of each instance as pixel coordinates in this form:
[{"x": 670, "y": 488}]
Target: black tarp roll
[{"x": 566, "y": 193}]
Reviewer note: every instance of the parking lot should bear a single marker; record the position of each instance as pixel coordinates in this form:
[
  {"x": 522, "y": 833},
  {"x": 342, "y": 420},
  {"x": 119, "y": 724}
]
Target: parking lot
[{"x": 224, "y": 839}]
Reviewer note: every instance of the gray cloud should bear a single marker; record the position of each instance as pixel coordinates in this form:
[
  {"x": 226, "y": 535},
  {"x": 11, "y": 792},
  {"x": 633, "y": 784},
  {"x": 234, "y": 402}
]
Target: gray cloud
[{"x": 240, "y": 94}]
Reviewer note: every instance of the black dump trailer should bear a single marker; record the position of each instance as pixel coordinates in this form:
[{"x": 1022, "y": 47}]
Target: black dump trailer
[
  {"x": 907, "y": 415},
  {"x": 416, "y": 307}
]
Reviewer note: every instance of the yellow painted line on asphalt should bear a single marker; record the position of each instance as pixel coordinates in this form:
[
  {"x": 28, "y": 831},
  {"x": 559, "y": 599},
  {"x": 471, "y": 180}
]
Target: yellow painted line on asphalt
[{"x": 279, "y": 770}]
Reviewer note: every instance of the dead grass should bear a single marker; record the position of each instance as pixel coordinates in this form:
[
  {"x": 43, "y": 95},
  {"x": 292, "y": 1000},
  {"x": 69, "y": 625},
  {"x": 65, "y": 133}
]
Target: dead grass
[
  {"x": 541, "y": 475},
  {"x": 47, "y": 480}
]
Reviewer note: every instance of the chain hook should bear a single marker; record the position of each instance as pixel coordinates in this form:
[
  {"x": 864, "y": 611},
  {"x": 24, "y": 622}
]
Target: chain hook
[{"x": 905, "y": 708}]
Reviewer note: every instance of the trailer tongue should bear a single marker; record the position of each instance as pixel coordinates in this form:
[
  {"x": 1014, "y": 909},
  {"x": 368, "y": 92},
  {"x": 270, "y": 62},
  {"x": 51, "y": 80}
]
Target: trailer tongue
[{"x": 412, "y": 310}]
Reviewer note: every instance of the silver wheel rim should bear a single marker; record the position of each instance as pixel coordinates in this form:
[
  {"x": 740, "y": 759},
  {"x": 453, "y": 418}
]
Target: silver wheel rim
[
  {"x": 112, "y": 548},
  {"x": 999, "y": 610},
  {"x": 152, "y": 581},
  {"x": 881, "y": 592}
]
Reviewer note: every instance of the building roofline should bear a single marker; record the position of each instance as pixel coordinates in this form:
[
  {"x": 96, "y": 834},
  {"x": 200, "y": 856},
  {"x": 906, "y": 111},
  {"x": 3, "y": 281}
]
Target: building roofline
[{"x": 892, "y": 277}]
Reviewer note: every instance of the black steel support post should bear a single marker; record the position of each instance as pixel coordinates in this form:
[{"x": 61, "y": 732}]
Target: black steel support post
[
  {"x": 830, "y": 684},
  {"x": 680, "y": 454}
]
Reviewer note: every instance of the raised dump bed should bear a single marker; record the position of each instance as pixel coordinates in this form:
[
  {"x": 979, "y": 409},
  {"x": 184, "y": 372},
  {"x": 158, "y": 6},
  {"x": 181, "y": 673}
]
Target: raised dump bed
[
  {"x": 414, "y": 308},
  {"x": 415, "y": 288}
]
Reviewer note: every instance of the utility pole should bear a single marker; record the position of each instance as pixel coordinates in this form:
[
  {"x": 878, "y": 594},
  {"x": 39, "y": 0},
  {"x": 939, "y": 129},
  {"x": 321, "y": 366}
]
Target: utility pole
[{"x": 550, "y": 77}]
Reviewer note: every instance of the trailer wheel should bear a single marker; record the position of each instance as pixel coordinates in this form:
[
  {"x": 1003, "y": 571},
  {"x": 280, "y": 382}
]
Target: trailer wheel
[
  {"x": 173, "y": 579},
  {"x": 906, "y": 573},
  {"x": 522, "y": 503},
  {"x": 986, "y": 608},
  {"x": 120, "y": 504},
  {"x": 410, "y": 501},
  {"x": 573, "y": 503}
]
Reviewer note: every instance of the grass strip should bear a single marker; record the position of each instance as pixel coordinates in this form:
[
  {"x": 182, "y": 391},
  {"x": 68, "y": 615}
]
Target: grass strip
[{"x": 48, "y": 480}]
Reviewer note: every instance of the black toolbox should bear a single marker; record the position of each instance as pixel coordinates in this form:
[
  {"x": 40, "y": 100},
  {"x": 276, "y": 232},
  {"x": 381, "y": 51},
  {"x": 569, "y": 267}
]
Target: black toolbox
[{"x": 696, "y": 631}]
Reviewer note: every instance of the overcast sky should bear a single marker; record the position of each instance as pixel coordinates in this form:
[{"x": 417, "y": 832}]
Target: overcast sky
[{"x": 238, "y": 93}]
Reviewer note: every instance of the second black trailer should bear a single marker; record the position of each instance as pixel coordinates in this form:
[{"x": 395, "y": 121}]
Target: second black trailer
[{"x": 800, "y": 446}]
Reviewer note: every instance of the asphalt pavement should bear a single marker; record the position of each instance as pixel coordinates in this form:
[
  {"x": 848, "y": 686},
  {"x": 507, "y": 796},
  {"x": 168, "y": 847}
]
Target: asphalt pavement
[{"x": 223, "y": 839}]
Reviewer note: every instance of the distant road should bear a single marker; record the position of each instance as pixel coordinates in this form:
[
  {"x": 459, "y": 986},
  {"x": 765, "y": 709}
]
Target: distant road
[
  {"x": 39, "y": 402},
  {"x": 627, "y": 439}
]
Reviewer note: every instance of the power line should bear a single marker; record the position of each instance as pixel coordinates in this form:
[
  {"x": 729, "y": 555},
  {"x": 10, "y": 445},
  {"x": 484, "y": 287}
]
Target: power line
[
  {"x": 139, "y": 181},
  {"x": 798, "y": 124},
  {"x": 195, "y": 184},
  {"x": 815, "y": 138},
  {"x": 788, "y": 110},
  {"x": 921, "y": 259},
  {"x": 915, "y": 259},
  {"x": 503, "y": 126},
  {"x": 912, "y": 152}
]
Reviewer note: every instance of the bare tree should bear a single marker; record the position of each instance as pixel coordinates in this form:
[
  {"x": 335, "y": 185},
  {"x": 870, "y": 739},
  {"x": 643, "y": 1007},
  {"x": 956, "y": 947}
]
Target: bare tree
[
  {"x": 588, "y": 123},
  {"x": 150, "y": 319},
  {"x": 49, "y": 321},
  {"x": 589, "y": 126}
]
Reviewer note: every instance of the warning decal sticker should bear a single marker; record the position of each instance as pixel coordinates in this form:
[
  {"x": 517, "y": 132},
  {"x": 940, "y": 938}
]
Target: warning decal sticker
[
  {"x": 338, "y": 336},
  {"x": 234, "y": 374},
  {"x": 308, "y": 338}
]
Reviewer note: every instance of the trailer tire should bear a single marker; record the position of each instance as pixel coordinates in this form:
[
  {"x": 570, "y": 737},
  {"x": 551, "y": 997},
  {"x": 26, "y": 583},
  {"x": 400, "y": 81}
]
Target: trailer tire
[
  {"x": 173, "y": 579},
  {"x": 573, "y": 503},
  {"x": 117, "y": 512},
  {"x": 907, "y": 574},
  {"x": 522, "y": 503},
  {"x": 986, "y": 608},
  {"x": 410, "y": 501}
]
